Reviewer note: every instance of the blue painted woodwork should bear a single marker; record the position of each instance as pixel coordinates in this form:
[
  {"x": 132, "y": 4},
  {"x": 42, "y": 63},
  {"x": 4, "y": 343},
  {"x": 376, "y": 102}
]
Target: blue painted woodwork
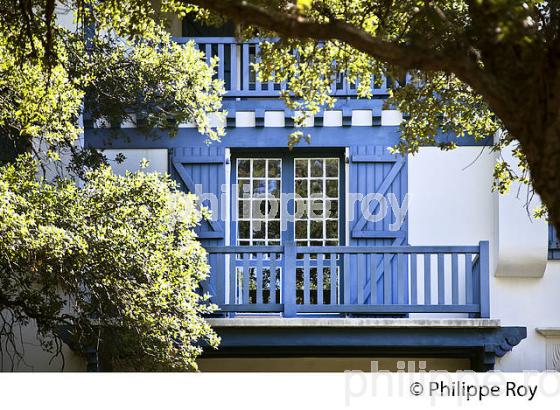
[
  {"x": 345, "y": 293},
  {"x": 254, "y": 138},
  {"x": 372, "y": 169},
  {"x": 204, "y": 166},
  {"x": 386, "y": 176},
  {"x": 289, "y": 279},
  {"x": 553, "y": 243},
  {"x": 193, "y": 162},
  {"x": 234, "y": 68},
  {"x": 479, "y": 344},
  {"x": 288, "y": 157},
  {"x": 365, "y": 281}
]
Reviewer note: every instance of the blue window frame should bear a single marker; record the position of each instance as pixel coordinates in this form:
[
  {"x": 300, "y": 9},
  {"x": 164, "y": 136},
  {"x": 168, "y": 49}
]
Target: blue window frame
[{"x": 255, "y": 172}]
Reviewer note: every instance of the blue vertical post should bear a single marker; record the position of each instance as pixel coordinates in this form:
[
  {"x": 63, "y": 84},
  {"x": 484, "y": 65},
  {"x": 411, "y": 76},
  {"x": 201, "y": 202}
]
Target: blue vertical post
[
  {"x": 272, "y": 270},
  {"x": 257, "y": 60},
  {"x": 387, "y": 285},
  {"x": 427, "y": 279},
  {"x": 320, "y": 272},
  {"x": 441, "y": 278},
  {"x": 289, "y": 279},
  {"x": 233, "y": 69},
  {"x": 246, "y": 277},
  {"x": 468, "y": 279},
  {"x": 334, "y": 281},
  {"x": 218, "y": 260},
  {"x": 208, "y": 53},
  {"x": 346, "y": 283},
  {"x": 413, "y": 279},
  {"x": 245, "y": 67},
  {"x": 484, "y": 282},
  {"x": 259, "y": 278},
  {"x": 232, "y": 280},
  {"x": 455, "y": 278},
  {"x": 306, "y": 280},
  {"x": 221, "y": 63}
]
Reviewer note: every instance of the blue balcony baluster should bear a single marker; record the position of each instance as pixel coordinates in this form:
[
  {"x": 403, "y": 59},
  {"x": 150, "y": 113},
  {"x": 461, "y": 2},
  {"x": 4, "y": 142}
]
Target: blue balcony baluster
[
  {"x": 308, "y": 275},
  {"x": 238, "y": 77},
  {"x": 289, "y": 279}
]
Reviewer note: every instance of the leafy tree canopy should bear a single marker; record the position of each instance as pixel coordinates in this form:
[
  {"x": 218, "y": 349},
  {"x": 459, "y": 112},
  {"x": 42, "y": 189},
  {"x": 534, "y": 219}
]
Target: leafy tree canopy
[
  {"x": 120, "y": 57},
  {"x": 112, "y": 260}
]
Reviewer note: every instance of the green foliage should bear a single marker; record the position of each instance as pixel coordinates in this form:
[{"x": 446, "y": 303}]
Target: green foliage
[
  {"x": 166, "y": 83},
  {"x": 115, "y": 259},
  {"x": 127, "y": 65},
  {"x": 440, "y": 103},
  {"x": 37, "y": 103}
]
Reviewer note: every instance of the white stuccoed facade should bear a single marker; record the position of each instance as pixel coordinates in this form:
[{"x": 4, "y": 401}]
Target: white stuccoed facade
[{"x": 451, "y": 202}]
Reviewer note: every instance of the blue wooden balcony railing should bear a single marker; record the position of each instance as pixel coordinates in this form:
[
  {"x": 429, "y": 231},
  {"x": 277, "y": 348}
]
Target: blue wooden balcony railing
[
  {"x": 236, "y": 70},
  {"x": 337, "y": 280}
]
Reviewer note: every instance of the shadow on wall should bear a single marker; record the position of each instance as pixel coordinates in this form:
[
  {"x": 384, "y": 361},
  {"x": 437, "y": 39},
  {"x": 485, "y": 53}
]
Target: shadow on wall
[{"x": 328, "y": 364}]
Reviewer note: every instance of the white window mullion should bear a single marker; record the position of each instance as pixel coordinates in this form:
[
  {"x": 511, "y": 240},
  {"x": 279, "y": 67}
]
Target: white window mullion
[
  {"x": 260, "y": 200},
  {"x": 310, "y": 179}
]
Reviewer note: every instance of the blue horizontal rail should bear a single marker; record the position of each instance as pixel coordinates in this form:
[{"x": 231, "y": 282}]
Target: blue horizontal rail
[
  {"x": 344, "y": 280},
  {"x": 235, "y": 68}
]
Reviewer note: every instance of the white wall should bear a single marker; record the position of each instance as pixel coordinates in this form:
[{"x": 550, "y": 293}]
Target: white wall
[
  {"x": 522, "y": 243},
  {"x": 529, "y": 302},
  {"x": 451, "y": 203},
  {"x": 35, "y": 359},
  {"x": 64, "y": 16}
]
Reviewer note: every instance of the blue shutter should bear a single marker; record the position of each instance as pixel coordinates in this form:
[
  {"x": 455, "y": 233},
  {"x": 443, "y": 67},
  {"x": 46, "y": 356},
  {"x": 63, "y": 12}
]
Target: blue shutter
[
  {"x": 205, "y": 166},
  {"x": 553, "y": 243},
  {"x": 374, "y": 170}
]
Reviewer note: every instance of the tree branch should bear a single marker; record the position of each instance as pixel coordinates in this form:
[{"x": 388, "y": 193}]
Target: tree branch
[
  {"x": 405, "y": 55},
  {"x": 291, "y": 25}
]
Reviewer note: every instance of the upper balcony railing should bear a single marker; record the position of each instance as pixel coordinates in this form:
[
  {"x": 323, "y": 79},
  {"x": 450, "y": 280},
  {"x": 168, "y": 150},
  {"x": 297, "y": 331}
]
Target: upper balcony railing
[
  {"x": 382, "y": 280},
  {"x": 235, "y": 68}
]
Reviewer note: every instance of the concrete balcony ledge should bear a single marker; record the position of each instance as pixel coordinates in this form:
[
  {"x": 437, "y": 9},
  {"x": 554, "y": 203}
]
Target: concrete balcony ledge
[
  {"x": 548, "y": 331},
  {"x": 280, "y": 322}
]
